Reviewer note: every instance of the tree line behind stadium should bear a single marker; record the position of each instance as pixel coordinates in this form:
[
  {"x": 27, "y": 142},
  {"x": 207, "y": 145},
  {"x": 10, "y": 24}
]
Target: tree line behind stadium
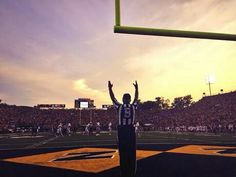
[{"x": 215, "y": 114}]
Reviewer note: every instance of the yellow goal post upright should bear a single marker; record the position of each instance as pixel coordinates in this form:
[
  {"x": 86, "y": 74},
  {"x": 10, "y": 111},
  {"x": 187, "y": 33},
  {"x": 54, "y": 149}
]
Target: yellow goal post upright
[{"x": 118, "y": 28}]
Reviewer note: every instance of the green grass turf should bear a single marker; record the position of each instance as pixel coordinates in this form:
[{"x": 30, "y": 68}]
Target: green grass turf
[
  {"x": 9, "y": 142},
  {"x": 105, "y": 139}
]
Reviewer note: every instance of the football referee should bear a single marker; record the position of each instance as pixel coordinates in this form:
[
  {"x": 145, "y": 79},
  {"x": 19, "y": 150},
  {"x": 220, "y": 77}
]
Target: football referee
[{"x": 126, "y": 131}]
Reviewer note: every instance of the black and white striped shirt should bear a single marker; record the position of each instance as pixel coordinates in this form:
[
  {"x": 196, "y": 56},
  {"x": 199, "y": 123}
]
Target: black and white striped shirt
[{"x": 126, "y": 113}]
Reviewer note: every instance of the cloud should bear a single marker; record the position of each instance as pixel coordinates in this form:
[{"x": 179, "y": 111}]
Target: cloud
[
  {"x": 84, "y": 90},
  {"x": 31, "y": 86},
  {"x": 206, "y": 15},
  {"x": 22, "y": 84},
  {"x": 182, "y": 68},
  {"x": 81, "y": 86}
]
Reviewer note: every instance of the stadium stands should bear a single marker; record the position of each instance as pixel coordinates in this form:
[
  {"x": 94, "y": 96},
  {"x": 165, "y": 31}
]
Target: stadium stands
[{"x": 210, "y": 114}]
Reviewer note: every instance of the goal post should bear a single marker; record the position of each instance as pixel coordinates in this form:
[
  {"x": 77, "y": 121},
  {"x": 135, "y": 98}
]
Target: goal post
[
  {"x": 117, "y": 12},
  {"x": 118, "y": 28}
]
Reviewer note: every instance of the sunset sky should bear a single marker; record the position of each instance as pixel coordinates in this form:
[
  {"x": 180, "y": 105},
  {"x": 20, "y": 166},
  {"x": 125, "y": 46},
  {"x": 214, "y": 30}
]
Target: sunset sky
[{"x": 53, "y": 51}]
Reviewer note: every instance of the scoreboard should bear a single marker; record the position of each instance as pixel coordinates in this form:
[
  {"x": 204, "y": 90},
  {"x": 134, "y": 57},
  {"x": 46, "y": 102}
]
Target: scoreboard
[{"x": 84, "y": 103}]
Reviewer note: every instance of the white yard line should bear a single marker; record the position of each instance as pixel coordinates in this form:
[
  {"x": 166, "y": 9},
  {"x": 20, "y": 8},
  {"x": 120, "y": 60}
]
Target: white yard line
[{"x": 40, "y": 143}]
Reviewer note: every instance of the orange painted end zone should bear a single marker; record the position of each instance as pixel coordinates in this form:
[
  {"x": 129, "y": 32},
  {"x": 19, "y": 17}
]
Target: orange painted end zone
[{"x": 85, "y": 165}]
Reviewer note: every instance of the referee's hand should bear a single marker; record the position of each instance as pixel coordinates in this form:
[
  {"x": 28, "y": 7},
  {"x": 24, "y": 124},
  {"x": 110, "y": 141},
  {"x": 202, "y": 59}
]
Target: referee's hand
[
  {"x": 135, "y": 84},
  {"x": 110, "y": 85}
]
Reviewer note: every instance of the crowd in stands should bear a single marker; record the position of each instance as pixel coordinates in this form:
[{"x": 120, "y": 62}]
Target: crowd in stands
[
  {"x": 210, "y": 114},
  {"x": 13, "y": 117}
]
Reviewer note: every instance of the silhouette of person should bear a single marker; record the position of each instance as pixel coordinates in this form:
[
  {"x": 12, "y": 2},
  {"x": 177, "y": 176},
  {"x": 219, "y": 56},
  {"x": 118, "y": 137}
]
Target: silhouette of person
[{"x": 126, "y": 131}]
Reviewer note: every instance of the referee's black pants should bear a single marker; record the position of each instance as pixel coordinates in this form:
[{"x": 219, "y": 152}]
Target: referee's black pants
[{"x": 127, "y": 150}]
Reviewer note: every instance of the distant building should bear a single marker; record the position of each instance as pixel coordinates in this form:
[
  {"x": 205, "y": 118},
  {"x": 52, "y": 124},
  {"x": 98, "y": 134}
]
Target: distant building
[
  {"x": 51, "y": 106},
  {"x": 84, "y": 103}
]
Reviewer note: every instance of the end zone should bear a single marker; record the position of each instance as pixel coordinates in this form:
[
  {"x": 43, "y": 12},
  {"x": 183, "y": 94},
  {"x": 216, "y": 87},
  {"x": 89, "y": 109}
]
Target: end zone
[{"x": 104, "y": 161}]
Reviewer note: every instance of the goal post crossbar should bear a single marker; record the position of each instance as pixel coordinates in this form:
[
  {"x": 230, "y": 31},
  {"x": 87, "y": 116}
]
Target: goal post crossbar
[{"x": 118, "y": 28}]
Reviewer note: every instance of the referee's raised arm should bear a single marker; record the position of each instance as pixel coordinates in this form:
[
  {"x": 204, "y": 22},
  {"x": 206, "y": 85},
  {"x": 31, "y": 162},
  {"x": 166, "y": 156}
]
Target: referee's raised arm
[
  {"x": 136, "y": 92},
  {"x": 112, "y": 96}
]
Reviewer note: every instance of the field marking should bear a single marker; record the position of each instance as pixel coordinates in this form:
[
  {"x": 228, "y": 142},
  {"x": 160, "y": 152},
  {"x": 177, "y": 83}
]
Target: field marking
[
  {"x": 91, "y": 141},
  {"x": 25, "y": 137},
  {"x": 148, "y": 138},
  {"x": 203, "y": 150},
  {"x": 102, "y": 164},
  {"x": 40, "y": 143},
  {"x": 114, "y": 154},
  {"x": 94, "y": 165}
]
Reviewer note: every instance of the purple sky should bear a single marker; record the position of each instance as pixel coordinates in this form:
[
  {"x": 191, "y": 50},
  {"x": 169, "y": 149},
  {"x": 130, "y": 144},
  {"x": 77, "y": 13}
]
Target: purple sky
[{"x": 56, "y": 51}]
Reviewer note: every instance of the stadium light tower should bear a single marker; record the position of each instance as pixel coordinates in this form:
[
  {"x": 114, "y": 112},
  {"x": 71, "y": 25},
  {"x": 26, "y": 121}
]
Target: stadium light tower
[
  {"x": 118, "y": 28},
  {"x": 210, "y": 80}
]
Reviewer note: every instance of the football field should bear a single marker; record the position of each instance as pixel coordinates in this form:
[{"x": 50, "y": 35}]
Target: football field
[{"x": 159, "y": 154}]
